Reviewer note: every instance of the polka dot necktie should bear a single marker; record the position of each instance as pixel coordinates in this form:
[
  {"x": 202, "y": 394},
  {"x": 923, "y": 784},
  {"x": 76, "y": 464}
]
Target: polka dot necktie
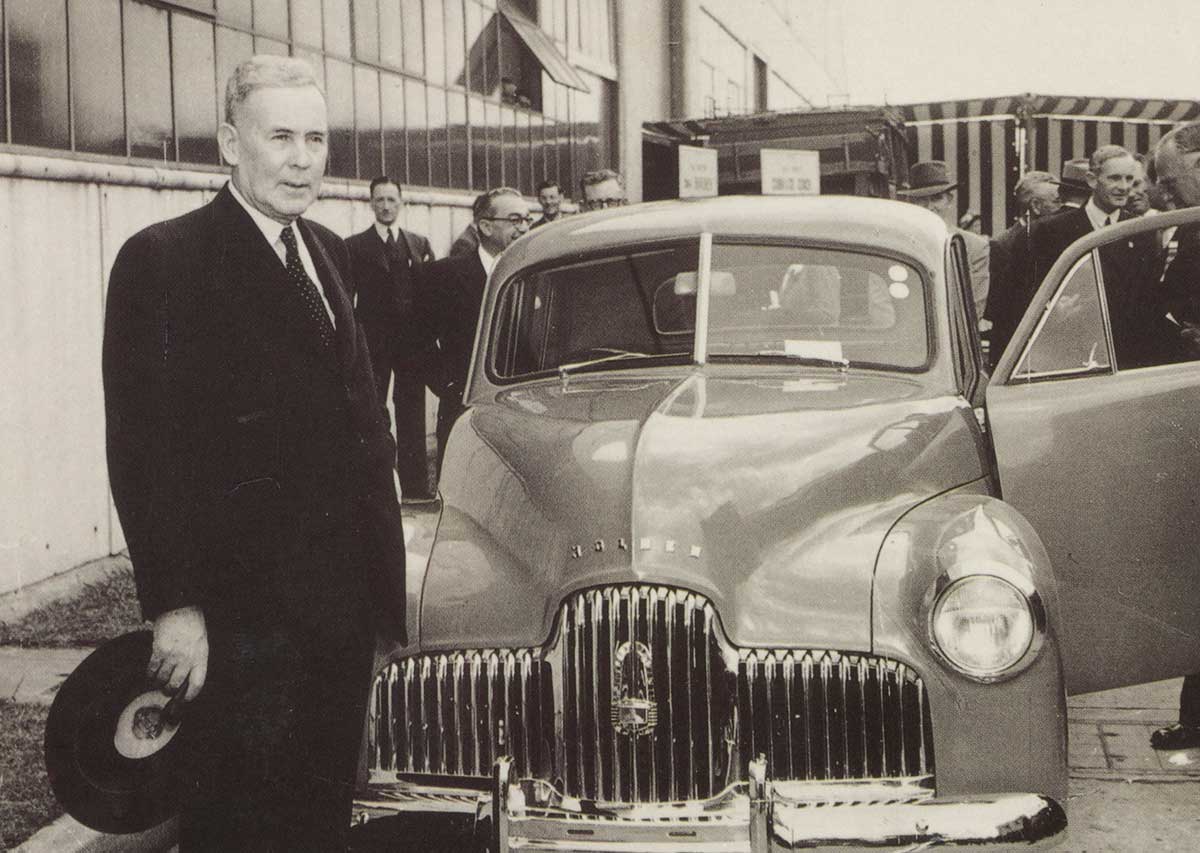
[{"x": 314, "y": 307}]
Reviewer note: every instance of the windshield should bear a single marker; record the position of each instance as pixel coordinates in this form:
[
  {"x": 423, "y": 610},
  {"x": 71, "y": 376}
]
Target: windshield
[{"x": 638, "y": 306}]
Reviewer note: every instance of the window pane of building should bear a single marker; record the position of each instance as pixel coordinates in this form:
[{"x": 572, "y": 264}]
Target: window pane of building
[
  {"x": 537, "y": 148},
  {"x": 412, "y": 14},
  {"x": 37, "y": 46},
  {"x": 495, "y": 144},
  {"x": 416, "y": 123},
  {"x": 439, "y": 143},
  {"x": 456, "y": 114},
  {"x": 366, "y": 30},
  {"x": 193, "y": 54},
  {"x": 551, "y": 149},
  {"x": 271, "y": 46},
  {"x": 456, "y": 71},
  {"x": 477, "y": 119},
  {"x": 435, "y": 43},
  {"x": 337, "y": 27},
  {"x": 306, "y": 22},
  {"x": 512, "y": 172},
  {"x": 524, "y": 152},
  {"x": 233, "y": 48},
  {"x": 239, "y": 13},
  {"x": 367, "y": 122},
  {"x": 339, "y": 96},
  {"x": 271, "y": 18},
  {"x": 394, "y": 160},
  {"x": 97, "y": 92},
  {"x": 148, "y": 82},
  {"x": 476, "y": 55},
  {"x": 391, "y": 33}
]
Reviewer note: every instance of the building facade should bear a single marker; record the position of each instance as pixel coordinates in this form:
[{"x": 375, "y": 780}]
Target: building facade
[{"x": 108, "y": 119}]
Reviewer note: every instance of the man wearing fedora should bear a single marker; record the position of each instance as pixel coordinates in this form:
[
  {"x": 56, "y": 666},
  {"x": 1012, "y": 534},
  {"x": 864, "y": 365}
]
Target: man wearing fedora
[
  {"x": 1073, "y": 185},
  {"x": 1037, "y": 195},
  {"x": 930, "y": 186}
]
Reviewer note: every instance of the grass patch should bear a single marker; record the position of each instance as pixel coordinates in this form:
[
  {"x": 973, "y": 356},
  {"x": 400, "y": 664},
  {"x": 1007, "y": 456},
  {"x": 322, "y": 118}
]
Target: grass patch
[
  {"x": 26, "y": 801},
  {"x": 98, "y": 612}
]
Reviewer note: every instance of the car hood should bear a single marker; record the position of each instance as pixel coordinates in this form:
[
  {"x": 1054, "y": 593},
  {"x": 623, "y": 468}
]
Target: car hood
[{"x": 769, "y": 493}]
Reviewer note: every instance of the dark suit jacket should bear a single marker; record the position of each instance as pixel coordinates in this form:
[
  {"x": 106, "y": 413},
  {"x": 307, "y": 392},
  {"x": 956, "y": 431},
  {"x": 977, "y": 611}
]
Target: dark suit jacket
[
  {"x": 251, "y": 465},
  {"x": 451, "y": 296},
  {"x": 384, "y": 298},
  {"x": 466, "y": 243},
  {"x": 1008, "y": 297}
]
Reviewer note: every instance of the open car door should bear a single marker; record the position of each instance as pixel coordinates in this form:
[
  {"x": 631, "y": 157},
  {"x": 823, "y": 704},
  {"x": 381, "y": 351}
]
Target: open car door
[{"x": 1094, "y": 411}]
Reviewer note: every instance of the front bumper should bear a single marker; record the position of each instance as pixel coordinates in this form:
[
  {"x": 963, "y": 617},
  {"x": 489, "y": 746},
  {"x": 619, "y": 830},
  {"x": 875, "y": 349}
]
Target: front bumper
[{"x": 753, "y": 817}]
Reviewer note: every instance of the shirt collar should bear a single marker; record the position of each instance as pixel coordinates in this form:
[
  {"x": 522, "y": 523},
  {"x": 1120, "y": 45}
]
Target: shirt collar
[
  {"x": 382, "y": 231},
  {"x": 487, "y": 259},
  {"x": 269, "y": 227},
  {"x": 1097, "y": 216}
]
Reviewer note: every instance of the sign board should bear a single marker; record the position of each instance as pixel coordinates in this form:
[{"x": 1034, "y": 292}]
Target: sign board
[
  {"x": 697, "y": 172},
  {"x": 787, "y": 171}
]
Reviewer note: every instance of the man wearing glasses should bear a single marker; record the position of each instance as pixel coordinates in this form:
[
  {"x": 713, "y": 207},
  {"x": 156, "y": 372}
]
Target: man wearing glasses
[
  {"x": 453, "y": 293},
  {"x": 602, "y": 188}
]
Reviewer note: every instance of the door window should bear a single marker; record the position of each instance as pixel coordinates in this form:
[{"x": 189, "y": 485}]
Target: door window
[{"x": 1071, "y": 338}]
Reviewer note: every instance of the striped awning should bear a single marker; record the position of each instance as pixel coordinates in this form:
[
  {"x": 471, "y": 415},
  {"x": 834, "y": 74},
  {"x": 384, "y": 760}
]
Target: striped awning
[{"x": 1114, "y": 109}]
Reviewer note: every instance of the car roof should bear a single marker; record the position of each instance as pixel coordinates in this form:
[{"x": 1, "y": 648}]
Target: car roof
[{"x": 890, "y": 226}]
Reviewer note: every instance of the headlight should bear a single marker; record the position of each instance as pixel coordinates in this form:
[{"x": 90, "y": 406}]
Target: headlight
[{"x": 983, "y": 625}]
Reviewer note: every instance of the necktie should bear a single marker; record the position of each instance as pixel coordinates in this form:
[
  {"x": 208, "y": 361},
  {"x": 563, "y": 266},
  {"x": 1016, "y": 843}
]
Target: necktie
[{"x": 314, "y": 307}]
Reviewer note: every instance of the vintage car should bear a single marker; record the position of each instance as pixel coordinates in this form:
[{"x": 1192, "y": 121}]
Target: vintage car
[{"x": 739, "y": 547}]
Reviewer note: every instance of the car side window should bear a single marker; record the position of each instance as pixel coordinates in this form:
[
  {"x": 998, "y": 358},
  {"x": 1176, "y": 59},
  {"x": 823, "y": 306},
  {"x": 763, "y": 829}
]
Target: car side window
[
  {"x": 1071, "y": 338},
  {"x": 1151, "y": 284}
]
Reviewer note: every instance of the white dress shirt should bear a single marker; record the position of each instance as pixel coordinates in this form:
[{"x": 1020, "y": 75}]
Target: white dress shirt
[
  {"x": 487, "y": 259},
  {"x": 1098, "y": 217},
  {"x": 271, "y": 230},
  {"x": 382, "y": 231}
]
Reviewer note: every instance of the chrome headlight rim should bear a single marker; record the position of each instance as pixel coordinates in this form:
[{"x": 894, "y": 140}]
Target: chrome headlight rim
[{"x": 1020, "y": 584}]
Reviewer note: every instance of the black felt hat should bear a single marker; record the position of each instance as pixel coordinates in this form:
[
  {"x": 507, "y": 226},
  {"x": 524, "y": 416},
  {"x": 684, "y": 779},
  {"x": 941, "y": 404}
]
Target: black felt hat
[{"x": 112, "y": 746}]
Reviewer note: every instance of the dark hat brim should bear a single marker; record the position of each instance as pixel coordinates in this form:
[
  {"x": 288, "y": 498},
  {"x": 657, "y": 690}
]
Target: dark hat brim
[
  {"x": 922, "y": 192},
  {"x": 94, "y": 782}
]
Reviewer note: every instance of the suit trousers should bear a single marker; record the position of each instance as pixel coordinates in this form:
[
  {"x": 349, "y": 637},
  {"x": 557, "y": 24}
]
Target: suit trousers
[
  {"x": 1189, "y": 701},
  {"x": 275, "y": 737},
  {"x": 408, "y": 402}
]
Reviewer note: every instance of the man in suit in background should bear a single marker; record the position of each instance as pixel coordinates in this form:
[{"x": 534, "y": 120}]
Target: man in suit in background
[
  {"x": 387, "y": 260},
  {"x": 1177, "y": 173},
  {"x": 251, "y": 467},
  {"x": 452, "y": 294},
  {"x": 1073, "y": 184},
  {"x": 931, "y": 187},
  {"x": 550, "y": 198},
  {"x": 1037, "y": 196},
  {"x": 466, "y": 244}
]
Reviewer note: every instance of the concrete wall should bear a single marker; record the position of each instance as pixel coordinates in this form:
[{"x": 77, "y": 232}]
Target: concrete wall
[
  {"x": 643, "y": 81},
  {"x": 61, "y": 225}
]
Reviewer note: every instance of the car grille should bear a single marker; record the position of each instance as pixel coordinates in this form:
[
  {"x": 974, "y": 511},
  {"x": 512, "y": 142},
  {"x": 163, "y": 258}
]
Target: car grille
[{"x": 653, "y": 704}]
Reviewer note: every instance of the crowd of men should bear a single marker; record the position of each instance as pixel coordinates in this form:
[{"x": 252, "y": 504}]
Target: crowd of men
[{"x": 1151, "y": 310}]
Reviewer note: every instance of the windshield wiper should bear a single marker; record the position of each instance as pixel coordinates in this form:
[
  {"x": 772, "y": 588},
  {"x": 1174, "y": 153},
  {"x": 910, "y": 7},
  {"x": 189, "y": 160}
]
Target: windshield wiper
[{"x": 565, "y": 370}]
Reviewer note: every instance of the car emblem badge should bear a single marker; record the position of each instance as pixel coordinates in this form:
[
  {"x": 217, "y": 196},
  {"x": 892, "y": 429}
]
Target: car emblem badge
[{"x": 634, "y": 712}]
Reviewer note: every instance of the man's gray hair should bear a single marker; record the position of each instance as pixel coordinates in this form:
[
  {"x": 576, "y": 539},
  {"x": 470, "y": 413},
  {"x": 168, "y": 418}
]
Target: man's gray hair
[
  {"x": 1103, "y": 154},
  {"x": 266, "y": 71},
  {"x": 1184, "y": 139},
  {"x": 599, "y": 176},
  {"x": 1028, "y": 183}
]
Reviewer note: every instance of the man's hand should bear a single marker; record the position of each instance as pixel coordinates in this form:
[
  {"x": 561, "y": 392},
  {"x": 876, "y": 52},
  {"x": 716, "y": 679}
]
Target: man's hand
[{"x": 180, "y": 652}]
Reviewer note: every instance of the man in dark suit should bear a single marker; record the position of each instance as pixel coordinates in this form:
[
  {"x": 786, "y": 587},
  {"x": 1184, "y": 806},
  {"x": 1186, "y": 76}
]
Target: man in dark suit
[
  {"x": 1142, "y": 335},
  {"x": 1177, "y": 170},
  {"x": 452, "y": 293},
  {"x": 1037, "y": 196},
  {"x": 251, "y": 467},
  {"x": 386, "y": 260}
]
